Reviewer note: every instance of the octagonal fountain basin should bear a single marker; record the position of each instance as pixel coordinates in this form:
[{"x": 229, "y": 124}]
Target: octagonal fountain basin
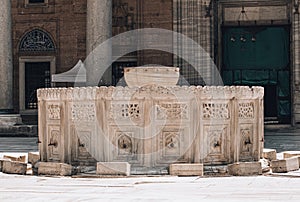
[{"x": 159, "y": 75}]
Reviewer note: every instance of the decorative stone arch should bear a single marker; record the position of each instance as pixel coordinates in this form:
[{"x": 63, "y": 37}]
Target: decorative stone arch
[{"x": 37, "y": 40}]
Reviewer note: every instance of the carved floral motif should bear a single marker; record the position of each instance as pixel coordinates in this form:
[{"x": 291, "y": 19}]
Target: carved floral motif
[
  {"x": 83, "y": 112},
  {"x": 172, "y": 111}
]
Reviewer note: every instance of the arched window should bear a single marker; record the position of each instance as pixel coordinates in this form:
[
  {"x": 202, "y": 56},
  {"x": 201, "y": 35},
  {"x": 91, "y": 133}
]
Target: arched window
[{"x": 35, "y": 41}]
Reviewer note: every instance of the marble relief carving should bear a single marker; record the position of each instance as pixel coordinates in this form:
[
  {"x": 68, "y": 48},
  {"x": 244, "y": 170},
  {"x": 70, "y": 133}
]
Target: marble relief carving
[
  {"x": 231, "y": 136},
  {"x": 171, "y": 143},
  {"x": 215, "y": 144},
  {"x": 246, "y": 110},
  {"x": 53, "y": 112},
  {"x": 246, "y": 143},
  {"x": 124, "y": 143},
  {"x": 83, "y": 112},
  {"x": 215, "y": 111},
  {"x": 125, "y": 111},
  {"x": 54, "y": 143},
  {"x": 172, "y": 111}
]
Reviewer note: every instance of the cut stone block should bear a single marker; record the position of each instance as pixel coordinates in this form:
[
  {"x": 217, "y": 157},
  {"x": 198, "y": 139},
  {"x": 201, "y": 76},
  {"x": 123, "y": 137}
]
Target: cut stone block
[
  {"x": 113, "y": 168},
  {"x": 15, "y": 158},
  {"x": 245, "y": 169},
  {"x": 52, "y": 168},
  {"x": 14, "y": 167},
  {"x": 289, "y": 154},
  {"x": 285, "y": 165},
  {"x": 33, "y": 157},
  {"x": 269, "y": 154},
  {"x": 186, "y": 169}
]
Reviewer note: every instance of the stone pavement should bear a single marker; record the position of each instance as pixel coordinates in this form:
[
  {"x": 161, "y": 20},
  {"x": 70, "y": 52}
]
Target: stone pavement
[
  {"x": 282, "y": 138},
  {"x": 259, "y": 188}
]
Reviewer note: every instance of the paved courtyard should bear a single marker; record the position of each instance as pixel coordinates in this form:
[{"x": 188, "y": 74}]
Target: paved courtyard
[{"x": 260, "y": 188}]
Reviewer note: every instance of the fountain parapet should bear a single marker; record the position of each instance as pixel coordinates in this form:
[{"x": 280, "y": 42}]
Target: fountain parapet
[{"x": 151, "y": 126}]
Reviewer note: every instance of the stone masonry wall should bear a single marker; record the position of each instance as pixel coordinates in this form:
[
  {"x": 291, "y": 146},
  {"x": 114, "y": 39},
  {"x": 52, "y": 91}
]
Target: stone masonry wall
[{"x": 64, "y": 20}]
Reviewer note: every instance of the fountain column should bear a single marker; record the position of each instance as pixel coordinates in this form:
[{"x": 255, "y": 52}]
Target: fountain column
[
  {"x": 6, "y": 66},
  {"x": 99, "y": 29}
]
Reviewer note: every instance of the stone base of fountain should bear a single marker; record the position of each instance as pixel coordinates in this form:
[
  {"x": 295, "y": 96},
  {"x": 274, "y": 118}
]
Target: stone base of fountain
[{"x": 151, "y": 126}]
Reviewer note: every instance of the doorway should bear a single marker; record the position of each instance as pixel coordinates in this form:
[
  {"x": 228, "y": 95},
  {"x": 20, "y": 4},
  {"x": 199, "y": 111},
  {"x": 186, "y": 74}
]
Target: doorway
[
  {"x": 34, "y": 72},
  {"x": 260, "y": 56},
  {"x": 37, "y": 75}
]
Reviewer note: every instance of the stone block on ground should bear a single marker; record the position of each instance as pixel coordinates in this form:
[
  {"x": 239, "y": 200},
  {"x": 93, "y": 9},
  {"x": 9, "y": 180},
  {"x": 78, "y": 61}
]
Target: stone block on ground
[
  {"x": 33, "y": 157},
  {"x": 289, "y": 154},
  {"x": 269, "y": 154},
  {"x": 245, "y": 169},
  {"x": 285, "y": 165},
  {"x": 113, "y": 168},
  {"x": 14, "y": 167},
  {"x": 52, "y": 168},
  {"x": 15, "y": 158},
  {"x": 186, "y": 169}
]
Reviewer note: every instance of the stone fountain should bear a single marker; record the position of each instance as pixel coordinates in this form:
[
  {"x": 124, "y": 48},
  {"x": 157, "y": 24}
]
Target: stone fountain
[{"x": 151, "y": 123}]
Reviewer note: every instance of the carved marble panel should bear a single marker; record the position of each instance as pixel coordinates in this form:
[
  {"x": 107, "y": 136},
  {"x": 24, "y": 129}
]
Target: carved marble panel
[
  {"x": 83, "y": 111},
  {"x": 247, "y": 143},
  {"x": 53, "y": 111},
  {"x": 215, "y": 144},
  {"x": 246, "y": 110},
  {"x": 125, "y": 146},
  {"x": 216, "y": 111},
  {"x": 54, "y": 143},
  {"x": 171, "y": 143},
  {"x": 124, "y": 143},
  {"x": 82, "y": 145},
  {"x": 172, "y": 111},
  {"x": 125, "y": 111},
  {"x": 132, "y": 127}
]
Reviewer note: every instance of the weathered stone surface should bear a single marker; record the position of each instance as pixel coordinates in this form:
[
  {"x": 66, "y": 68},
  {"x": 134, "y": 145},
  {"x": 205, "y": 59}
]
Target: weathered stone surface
[
  {"x": 186, "y": 169},
  {"x": 113, "y": 168},
  {"x": 15, "y": 158},
  {"x": 33, "y": 157},
  {"x": 132, "y": 107},
  {"x": 99, "y": 29},
  {"x": 141, "y": 76},
  {"x": 14, "y": 167},
  {"x": 51, "y": 168},
  {"x": 285, "y": 165},
  {"x": 289, "y": 154},
  {"x": 245, "y": 169},
  {"x": 6, "y": 68},
  {"x": 269, "y": 154},
  {"x": 265, "y": 165}
]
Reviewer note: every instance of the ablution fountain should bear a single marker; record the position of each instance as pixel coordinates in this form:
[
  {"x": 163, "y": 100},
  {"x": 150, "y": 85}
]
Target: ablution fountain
[{"x": 151, "y": 123}]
